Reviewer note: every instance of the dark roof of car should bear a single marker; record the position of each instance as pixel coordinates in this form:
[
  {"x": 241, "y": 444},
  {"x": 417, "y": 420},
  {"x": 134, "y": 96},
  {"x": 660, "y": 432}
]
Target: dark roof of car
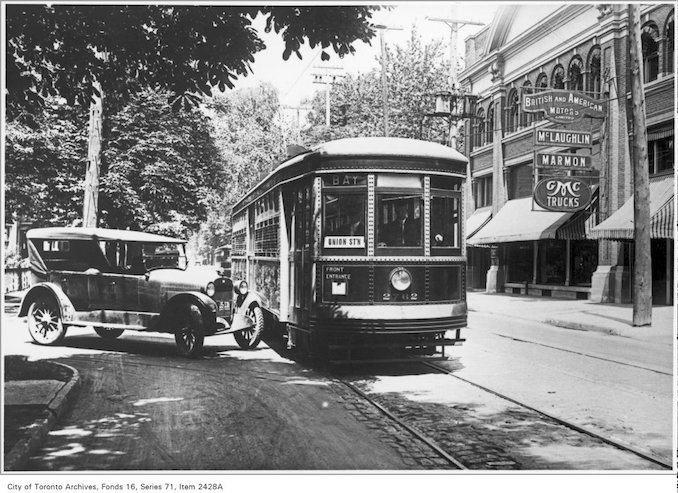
[{"x": 99, "y": 234}]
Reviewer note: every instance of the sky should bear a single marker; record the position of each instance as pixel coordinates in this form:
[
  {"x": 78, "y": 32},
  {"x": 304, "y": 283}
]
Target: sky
[{"x": 294, "y": 78}]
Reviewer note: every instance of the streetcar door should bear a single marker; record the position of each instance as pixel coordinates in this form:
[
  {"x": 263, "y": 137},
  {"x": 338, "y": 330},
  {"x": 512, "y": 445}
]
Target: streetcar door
[{"x": 297, "y": 209}]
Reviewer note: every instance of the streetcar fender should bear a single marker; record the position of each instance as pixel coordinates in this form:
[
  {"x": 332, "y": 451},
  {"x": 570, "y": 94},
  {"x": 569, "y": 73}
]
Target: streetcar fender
[
  {"x": 206, "y": 305},
  {"x": 52, "y": 291}
]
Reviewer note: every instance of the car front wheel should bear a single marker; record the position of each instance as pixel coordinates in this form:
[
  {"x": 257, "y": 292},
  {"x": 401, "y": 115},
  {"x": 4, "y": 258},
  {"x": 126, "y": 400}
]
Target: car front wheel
[
  {"x": 189, "y": 334},
  {"x": 44, "y": 322},
  {"x": 249, "y": 338}
]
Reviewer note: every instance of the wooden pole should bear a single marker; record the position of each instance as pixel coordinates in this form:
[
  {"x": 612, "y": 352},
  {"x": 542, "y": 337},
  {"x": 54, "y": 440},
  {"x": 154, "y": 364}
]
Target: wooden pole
[
  {"x": 90, "y": 205},
  {"x": 642, "y": 274}
]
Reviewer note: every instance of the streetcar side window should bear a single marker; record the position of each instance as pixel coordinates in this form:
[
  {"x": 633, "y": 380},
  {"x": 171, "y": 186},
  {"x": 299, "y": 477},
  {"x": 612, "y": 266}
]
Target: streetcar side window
[{"x": 445, "y": 227}]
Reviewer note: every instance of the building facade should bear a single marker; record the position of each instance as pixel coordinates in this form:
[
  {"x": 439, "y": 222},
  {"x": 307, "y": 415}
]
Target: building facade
[{"x": 515, "y": 245}]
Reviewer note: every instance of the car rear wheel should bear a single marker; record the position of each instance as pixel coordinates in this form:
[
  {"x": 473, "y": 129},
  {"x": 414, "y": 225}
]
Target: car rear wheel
[
  {"x": 108, "y": 333},
  {"x": 44, "y": 322},
  {"x": 249, "y": 338},
  {"x": 189, "y": 334}
]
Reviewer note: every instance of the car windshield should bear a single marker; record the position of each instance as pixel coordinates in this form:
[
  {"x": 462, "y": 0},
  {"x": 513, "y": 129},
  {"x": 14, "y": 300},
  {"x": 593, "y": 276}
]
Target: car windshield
[{"x": 163, "y": 255}]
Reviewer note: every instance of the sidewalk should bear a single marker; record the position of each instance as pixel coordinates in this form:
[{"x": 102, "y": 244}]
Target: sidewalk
[{"x": 612, "y": 319}]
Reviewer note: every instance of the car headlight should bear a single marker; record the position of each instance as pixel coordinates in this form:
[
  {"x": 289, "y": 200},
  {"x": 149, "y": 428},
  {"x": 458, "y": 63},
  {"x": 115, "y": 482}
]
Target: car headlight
[
  {"x": 401, "y": 279},
  {"x": 243, "y": 288},
  {"x": 210, "y": 290}
]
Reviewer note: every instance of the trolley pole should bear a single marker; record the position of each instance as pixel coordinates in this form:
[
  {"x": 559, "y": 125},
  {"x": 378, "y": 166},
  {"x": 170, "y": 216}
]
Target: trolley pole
[
  {"x": 642, "y": 272},
  {"x": 384, "y": 85}
]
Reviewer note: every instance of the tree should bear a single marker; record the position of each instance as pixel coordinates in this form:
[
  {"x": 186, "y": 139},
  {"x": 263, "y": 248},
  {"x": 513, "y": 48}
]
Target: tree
[
  {"x": 188, "y": 50},
  {"x": 160, "y": 167},
  {"x": 43, "y": 166},
  {"x": 414, "y": 72}
]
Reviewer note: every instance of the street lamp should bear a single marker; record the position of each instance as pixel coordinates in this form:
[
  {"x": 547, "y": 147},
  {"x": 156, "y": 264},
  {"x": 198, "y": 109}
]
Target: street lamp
[{"x": 455, "y": 105}]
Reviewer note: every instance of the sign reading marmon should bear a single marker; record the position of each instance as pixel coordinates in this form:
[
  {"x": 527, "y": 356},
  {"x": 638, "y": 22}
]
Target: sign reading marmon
[
  {"x": 563, "y": 106},
  {"x": 565, "y": 138},
  {"x": 562, "y": 194},
  {"x": 562, "y": 161}
]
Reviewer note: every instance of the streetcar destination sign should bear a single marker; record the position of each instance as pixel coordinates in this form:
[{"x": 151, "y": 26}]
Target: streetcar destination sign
[
  {"x": 565, "y": 138},
  {"x": 562, "y": 161},
  {"x": 563, "y": 106},
  {"x": 562, "y": 194}
]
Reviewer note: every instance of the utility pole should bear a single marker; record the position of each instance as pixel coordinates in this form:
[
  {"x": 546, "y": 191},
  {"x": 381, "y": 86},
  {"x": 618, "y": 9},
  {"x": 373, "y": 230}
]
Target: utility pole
[
  {"x": 384, "y": 85},
  {"x": 90, "y": 206},
  {"x": 327, "y": 77},
  {"x": 642, "y": 273},
  {"x": 454, "y": 24}
]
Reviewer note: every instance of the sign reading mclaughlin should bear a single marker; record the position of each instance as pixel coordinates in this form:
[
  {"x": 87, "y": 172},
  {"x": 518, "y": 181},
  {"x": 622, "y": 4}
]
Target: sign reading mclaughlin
[
  {"x": 565, "y": 138},
  {"x": 563, "y": 106}
]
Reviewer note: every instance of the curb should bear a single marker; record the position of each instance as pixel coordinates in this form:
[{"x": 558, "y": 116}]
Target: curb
[
  {"x": 582, "y": 327},
  {"x": 17, "y": 458}
]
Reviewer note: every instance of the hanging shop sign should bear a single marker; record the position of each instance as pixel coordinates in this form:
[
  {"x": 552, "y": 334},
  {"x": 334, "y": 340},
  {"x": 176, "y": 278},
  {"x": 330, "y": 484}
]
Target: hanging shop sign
[
  {"x": 563, "y": 106},
  {"x": 564, "y": 138},
  {"x": 562, "y": 194},
  {"x": 554, "y": 160}
]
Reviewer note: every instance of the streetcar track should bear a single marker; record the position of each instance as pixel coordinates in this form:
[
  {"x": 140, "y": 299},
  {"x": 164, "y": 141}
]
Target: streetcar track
[
  {"x": 639, "y": 453},
  {"x": 578, "y": 353}
]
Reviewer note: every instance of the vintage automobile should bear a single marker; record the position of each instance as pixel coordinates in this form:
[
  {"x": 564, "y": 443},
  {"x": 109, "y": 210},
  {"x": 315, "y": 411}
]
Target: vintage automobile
[{"x": 114, "y": 280}]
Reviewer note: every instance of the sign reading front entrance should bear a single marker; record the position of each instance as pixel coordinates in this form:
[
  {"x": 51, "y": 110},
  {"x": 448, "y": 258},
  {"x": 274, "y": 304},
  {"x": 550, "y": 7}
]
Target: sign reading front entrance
[{"x": 562, "y": 194}]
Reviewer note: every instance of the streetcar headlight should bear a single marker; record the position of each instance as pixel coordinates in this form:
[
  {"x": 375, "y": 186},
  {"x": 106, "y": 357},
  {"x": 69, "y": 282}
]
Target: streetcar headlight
[
  {"x": 243, "y": 288},
  {"x": 401, "y": 279},
  {"x": 210, "y": 289}
]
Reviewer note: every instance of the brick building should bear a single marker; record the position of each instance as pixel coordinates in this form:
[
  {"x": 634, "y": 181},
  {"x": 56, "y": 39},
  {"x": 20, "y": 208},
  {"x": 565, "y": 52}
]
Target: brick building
[{"x": 514, "y": 245}]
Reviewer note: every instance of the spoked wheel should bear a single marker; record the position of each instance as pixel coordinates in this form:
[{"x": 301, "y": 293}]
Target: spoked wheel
[
  {"x": 108, "y": 333},
  {"x": 189, "y": 334},
  {"x": 249, "y": 338},
  {"x": 44, "y": 322}
]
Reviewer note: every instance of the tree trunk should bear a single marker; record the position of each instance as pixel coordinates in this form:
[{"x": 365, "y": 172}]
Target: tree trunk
[
  {"x": 91, "y": 199},
  {"x": 642, "y": 273}
]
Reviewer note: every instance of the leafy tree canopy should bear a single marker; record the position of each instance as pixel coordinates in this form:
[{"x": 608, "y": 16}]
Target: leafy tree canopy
[{"x": 188, "y": 50}]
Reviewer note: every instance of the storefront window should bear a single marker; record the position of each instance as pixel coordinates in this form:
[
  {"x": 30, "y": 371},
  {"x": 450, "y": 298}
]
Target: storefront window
[
  {"x": 552, "y": 262},
  {"x": 519, "y": 259}
]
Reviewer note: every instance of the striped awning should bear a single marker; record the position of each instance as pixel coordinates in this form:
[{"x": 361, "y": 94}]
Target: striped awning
[
  {"x": 580, "y": 225},
  {"x": 477, "y": 220},
  {"x": 660, "y": 134},
  {"x": 520, "y": 220},
  {"x": 619, "y": 226}
]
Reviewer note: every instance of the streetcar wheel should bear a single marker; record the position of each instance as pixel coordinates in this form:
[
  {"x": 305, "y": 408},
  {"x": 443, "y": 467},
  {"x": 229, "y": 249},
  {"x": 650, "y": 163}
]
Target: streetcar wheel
[
  {"x": 189, "y": 334},
  {"x": 108, "y": 333},
  {"x": 249, "y": 338},
  {"x": 44, "y": 322}
]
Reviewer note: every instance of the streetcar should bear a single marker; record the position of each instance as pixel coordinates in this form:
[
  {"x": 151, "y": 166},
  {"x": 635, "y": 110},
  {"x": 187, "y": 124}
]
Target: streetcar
[
  {"x": 222, "y": 259},
  {"x": 355, "y": 250}
]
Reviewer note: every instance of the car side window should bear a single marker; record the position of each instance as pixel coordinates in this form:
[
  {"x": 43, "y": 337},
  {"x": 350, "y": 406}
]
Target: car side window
[{"x": 123, "y": 258}]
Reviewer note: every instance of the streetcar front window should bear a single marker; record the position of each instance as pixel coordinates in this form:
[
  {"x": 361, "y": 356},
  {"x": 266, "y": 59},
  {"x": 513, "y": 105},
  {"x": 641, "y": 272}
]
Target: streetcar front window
[
  {"x": 344, "y": 220},
  {"x": 445, "y": 231},
  {"x": 400, "y": 220}
]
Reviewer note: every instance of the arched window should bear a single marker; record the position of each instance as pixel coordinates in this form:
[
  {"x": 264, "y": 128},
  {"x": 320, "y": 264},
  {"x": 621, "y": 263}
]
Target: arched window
[
  {"x": 479, "y": 124},
  {"x": 649, "y": 38},
  {"x": 512, "y": 111},
  {"x": 574, "y": 75},
  {"x": 525, "y": 117},
  {"x": 558, "y": 77},
  {"x": 490, "y": 123},
  {"x": 542, "y": 83},
  {"x": 669, "y": 45},
  {"x": 593, "y": 82}
]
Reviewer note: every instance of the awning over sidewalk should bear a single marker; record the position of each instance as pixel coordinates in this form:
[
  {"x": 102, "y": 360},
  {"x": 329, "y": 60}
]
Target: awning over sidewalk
[
  {"x": 579, "y": 227},
  {"x": 520, "y": 220},
  {"x": 477, "y": 220},
  {"x": 619, "y": 226}
]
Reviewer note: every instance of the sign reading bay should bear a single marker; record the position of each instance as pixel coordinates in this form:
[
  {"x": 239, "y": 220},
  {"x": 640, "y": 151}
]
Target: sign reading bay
[
  {"x": 563, "y": 161},
  {"x": 563, "y": 106},
  {"x": 562, "y": 194}
]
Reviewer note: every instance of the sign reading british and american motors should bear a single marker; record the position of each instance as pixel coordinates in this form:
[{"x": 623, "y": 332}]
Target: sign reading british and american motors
[{"x": 563, "y": 106}]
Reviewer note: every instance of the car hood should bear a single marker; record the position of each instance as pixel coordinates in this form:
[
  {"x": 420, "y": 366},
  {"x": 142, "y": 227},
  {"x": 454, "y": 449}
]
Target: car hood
[{"x": 194, "y": 276}]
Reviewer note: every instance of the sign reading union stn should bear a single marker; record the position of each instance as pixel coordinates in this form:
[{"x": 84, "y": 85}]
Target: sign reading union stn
[
  {"x": 562, "y": 194},
  {"x": 563, "y": 106}
]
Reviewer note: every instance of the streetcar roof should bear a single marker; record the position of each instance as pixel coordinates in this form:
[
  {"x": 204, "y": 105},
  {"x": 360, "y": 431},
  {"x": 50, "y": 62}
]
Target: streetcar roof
[
  {"x": 98, "y": 234},
  {"x": 367, "y": 147}
]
